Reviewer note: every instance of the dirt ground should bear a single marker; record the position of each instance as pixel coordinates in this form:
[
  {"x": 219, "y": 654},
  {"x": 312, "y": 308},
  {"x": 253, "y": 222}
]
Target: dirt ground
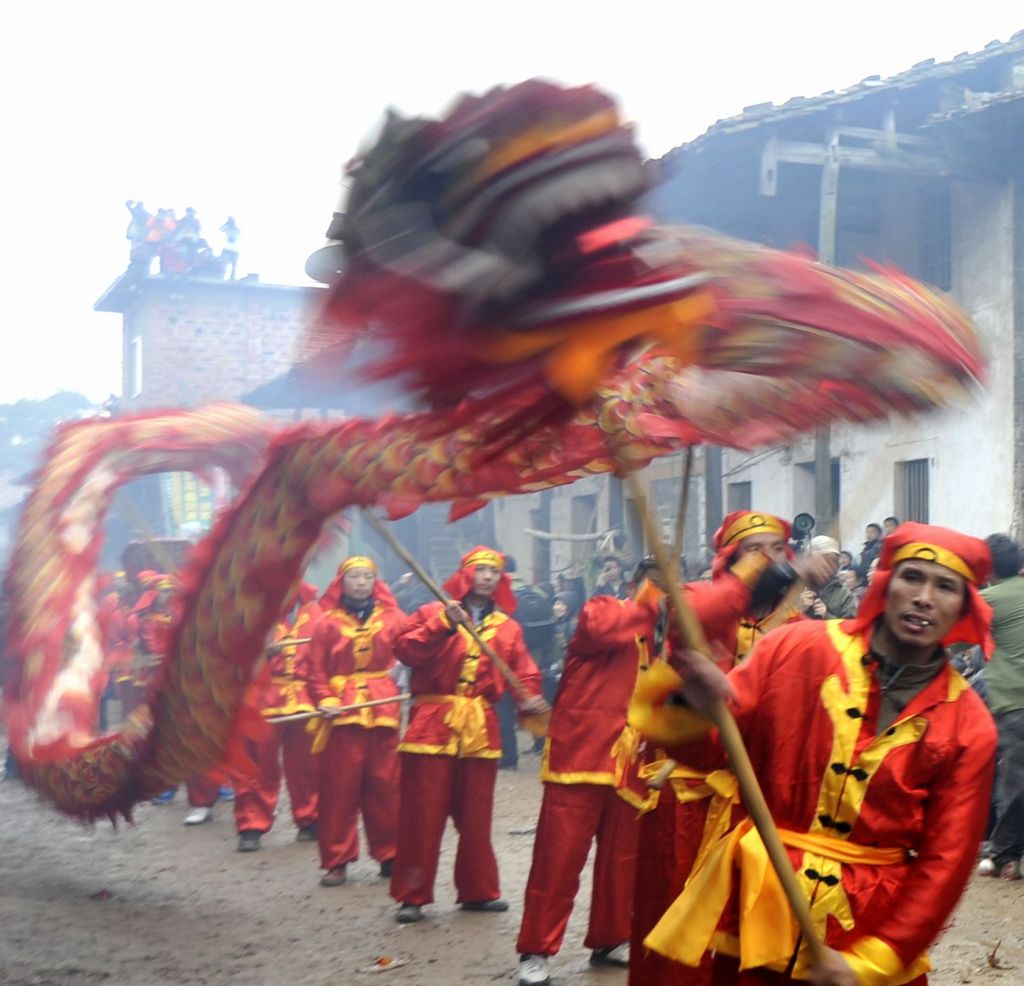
[{"x": 158, "y": 903}]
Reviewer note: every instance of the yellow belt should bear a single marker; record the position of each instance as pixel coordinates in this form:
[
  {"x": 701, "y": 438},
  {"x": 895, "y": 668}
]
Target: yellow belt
[
  {"x": 321, "y": 727},
  {"x": 467, "y": 719},
  {"x": 718, "y": 785},
  {"x": 768, "y": 934}
]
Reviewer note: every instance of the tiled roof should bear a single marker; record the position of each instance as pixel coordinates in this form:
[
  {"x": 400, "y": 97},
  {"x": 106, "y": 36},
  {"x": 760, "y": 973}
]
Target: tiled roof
[{"x": 760, "y": 114}]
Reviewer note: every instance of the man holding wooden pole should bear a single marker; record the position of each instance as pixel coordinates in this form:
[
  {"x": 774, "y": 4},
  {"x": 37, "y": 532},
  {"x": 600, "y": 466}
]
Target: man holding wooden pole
[
  {"x": 876, "y": 761},
  {"x": 452, "y": 745}
]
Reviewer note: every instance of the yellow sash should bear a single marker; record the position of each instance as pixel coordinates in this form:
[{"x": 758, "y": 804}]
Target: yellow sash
[
  {"x": 321, "y": 728},
  {"x": 768, "y": 933},
  {"x": 467, "y": 719},
  {"x": 719, "y": 785}
]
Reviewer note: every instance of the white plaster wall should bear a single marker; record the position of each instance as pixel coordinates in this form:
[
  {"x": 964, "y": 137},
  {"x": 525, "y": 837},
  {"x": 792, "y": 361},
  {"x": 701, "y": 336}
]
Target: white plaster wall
[{"x": 971, "y": 447}]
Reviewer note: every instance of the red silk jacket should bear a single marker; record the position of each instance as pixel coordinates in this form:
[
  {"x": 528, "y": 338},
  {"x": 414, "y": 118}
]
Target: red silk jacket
[
  {"x": 807, "y": 703},
  {"x": 454, "y": 685},
  {"x": 286, "y": 692},
  {"x": 588, "y": 740},
  {"x": 350, "y": 662}
]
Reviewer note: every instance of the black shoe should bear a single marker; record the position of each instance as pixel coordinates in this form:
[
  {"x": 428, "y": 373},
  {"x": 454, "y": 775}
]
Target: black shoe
[
  {"x": 618, "y": 956},
  {"x": 308, "y": 834},
  {"x": 486, "y": 905},
  {"x": 334, "y": 878},
  {"x": 409, "y": 914},
  {"x": 386, "y": 867},
  {"x": 248, "y": 841}
]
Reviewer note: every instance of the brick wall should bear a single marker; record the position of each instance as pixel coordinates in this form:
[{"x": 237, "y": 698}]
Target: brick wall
[{"x": 205, "y": 341}]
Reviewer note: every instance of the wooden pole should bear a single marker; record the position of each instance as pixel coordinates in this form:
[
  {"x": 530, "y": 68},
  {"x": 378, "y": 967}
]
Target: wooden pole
[
  {"x": 537, "y": 724},
  {"x": 693, "y": 637},
  {"x": 317, "y": 714},
  {"x": 684, "y": 503}
]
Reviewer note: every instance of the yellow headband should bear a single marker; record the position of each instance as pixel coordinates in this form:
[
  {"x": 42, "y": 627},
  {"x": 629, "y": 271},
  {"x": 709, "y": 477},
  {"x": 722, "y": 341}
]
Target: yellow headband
[
  {"x": 750, "y": 524},
  {"x": 485, "y": 556},
  {"x": 357, "y": 561},
  {"x": 932, "y": 552}
]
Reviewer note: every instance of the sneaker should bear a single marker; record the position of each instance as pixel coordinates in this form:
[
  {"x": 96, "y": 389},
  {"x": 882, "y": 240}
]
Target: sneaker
[
  {"x": 248, "y": 841},
  {"x": 1010, "y": 870},
  {"x": 226, "y": 793},
  {"x": 486, "y": 905},
  {"x": 164, "y": 798},
  {"x": 534, "y": 970},
  {"x": 987, "y": 867},
  {"x": 307, "y": 834},
  {"x": 387, "y": 866},
  {"x": 334, "y": 877},
  {"x": 197, "y": 816},
  {"x": 618, "y": 955},
  {"x": 409, "y": 914}
]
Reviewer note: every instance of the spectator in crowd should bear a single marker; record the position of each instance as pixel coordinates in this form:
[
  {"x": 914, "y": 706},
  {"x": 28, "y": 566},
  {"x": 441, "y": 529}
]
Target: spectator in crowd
[
  {"x": 1004, "y": 681},
  {"x": 854, "y": 581},
  {"x": 833, "y": 601},
  {"x": 611, "y": 578},
  {"x": 845, "y": 561},
  {"x": 889, "y": 524},
  {"x": 872, "y": 545}
]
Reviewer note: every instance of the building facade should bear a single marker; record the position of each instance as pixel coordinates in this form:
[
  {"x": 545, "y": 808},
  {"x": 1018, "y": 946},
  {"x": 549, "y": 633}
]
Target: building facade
[{"x": 924, "y": 171}]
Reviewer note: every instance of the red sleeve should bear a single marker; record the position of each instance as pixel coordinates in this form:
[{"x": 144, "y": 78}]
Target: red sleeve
[
  {"x": 748, "y": 681},
  {"x": 424, "y": 635},
  {"x": 718, "y": 604},
  {"x": 394, "y": 623},
  {"x": 519, "y": 660},
  {"x": 957, "y": 814},
  {"x": 605, "y": 624},
  {"x": 325, "y": 635}
]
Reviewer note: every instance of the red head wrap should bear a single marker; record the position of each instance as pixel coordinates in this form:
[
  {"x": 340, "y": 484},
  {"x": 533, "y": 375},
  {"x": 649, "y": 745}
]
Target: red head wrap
[
  {"x": 460, "y": 584},
  {"x": 331, "y": 599},
  {"x": 741, "y": 524},
  {"x": 967, "y": 556}
]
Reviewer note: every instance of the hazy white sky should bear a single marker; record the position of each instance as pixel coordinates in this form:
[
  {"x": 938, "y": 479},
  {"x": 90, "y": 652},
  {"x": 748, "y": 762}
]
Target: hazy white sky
[{"x": 249, "y": 109}]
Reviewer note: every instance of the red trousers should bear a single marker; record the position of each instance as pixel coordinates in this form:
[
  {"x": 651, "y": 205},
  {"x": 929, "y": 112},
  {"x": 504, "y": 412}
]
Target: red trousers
[
  {"x": 669, "y": 837},
  {"x": 202, "y": 791},
  {"x": 571, "y": 817},
  {"x": 725, "y": 971},
  {"x": 358, "y": 772},
  {"x": 434, "y": 787},
  {"x": 256, "y": 798}
]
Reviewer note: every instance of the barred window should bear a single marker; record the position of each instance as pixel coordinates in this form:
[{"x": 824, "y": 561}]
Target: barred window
[{"x": 912, "y": 490}]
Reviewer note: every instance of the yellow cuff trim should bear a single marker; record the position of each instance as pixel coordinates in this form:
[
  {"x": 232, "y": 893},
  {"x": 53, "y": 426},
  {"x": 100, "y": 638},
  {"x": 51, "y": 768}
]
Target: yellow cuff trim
[{"x": 876, "y": 964}]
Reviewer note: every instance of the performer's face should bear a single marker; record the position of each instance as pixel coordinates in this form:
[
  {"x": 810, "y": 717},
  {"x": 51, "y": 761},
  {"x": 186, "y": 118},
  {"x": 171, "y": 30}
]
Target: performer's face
[
  {"x": 923, "y": 602},
  {"x": 485, "y": 580},
  {"x": 358, "y": 584},
  {"x": 767, "y": 544}
]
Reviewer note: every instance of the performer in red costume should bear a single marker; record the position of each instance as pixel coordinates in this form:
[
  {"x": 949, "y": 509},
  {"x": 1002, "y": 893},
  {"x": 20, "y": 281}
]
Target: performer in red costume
[
  {"x": 586, "y": 768},
  {"x": 350, "y": 661},
  {"x": 695, "y": 805},
  {"x": 285, "y": 693},
  {"x": 452, "y": 745},
  {"x": 876, "y": 760},
  {"x": 150, "y": 618}
]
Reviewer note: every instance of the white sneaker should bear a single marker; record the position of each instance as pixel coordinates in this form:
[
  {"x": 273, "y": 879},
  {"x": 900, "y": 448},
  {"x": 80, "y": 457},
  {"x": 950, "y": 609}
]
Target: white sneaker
[
  {"x": 534, "y": 970},
  {"x": 987, "y": 867},
  {"x": 199, "y": 815}
]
